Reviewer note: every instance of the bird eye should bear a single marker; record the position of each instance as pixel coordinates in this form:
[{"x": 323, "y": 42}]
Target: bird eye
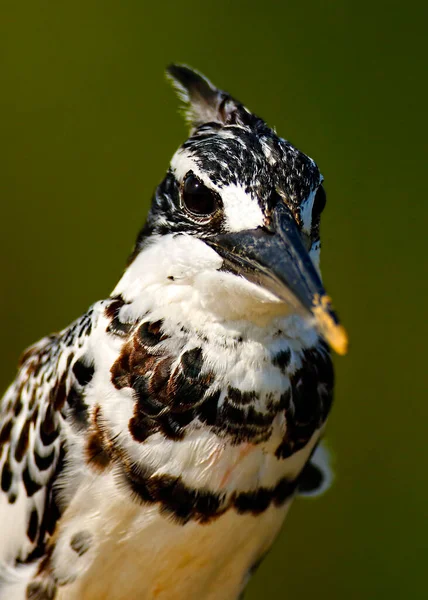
[
  {"x": 197, "y": 198},
  {"x": 319, "y": 202}
]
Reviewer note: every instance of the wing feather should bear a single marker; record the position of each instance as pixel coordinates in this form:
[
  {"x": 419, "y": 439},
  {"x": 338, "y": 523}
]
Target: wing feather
[{"x": 33, "y": 440}]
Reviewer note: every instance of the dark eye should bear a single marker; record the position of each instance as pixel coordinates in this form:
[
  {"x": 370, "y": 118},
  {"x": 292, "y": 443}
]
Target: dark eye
[
  {"x": 197, "y": 198},
  {"x": 319, "y": 202}
]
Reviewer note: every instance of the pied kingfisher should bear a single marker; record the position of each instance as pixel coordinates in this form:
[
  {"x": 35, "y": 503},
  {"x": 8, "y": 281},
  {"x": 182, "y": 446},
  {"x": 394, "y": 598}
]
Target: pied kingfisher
[{"x": 152, "y": 449}]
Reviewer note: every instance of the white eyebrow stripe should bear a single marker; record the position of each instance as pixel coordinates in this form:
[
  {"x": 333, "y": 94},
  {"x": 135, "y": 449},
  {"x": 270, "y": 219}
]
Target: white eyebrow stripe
[
  {"x": 307, "y": 205},
  {"x": 306, "y": 212},
  {"x": 182, "y": 163},
  {"x": 242, "y": 210}
]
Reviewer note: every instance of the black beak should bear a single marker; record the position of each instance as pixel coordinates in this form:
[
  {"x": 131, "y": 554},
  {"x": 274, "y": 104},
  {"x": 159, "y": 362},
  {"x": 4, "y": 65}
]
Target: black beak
[{"x": 277, "y": 260}]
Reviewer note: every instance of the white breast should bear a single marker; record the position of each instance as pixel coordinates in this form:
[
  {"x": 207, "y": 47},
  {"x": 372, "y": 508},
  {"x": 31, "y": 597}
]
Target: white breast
[{"x": 140, "y": 554}]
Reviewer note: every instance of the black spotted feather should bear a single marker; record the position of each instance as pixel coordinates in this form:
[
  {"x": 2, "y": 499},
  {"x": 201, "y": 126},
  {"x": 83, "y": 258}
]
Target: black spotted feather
[{"x": 47, "y": 389}]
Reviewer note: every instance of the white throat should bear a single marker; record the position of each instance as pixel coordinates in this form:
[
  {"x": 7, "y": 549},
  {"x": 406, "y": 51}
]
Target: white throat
[{"x": 177, "y": 277}]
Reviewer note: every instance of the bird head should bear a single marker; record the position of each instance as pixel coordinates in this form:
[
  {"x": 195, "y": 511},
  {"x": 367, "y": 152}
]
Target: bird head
[{"x": 237, "y": 218}]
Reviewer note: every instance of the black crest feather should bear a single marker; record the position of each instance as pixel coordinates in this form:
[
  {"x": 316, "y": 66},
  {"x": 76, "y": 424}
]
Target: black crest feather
[{"x": 204, "y": 103}]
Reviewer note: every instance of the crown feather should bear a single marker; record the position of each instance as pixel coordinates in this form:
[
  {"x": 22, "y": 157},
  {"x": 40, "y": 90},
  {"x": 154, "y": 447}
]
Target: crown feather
[{"x": 203, "y": 102}]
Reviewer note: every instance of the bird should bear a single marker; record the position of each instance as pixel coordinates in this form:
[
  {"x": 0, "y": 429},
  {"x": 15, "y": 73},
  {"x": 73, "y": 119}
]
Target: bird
[{"x": 152, "y": 449}]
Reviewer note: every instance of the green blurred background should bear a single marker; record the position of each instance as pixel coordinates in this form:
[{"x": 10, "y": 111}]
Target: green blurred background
[{"x": 88, "y": 126}]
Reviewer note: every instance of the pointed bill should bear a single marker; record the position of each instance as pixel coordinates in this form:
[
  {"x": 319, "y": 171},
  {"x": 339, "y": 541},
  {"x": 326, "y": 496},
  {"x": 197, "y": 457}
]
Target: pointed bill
[{"x": 277, "y": 260}]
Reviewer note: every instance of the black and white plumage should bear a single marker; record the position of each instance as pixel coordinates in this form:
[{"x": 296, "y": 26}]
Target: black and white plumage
[{"x": 152, "y": 449}]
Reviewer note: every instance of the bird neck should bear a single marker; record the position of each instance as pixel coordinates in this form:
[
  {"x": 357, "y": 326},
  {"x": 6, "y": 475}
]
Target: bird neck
[{"x": 178, "y": 279}]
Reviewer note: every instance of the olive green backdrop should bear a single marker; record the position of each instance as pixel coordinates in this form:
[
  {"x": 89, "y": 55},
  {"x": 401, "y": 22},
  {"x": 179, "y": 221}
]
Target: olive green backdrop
[{"x": 88, "y": 126}]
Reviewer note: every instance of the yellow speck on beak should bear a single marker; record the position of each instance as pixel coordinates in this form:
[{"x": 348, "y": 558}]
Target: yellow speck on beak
[{"x": 334, "y": 333}]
